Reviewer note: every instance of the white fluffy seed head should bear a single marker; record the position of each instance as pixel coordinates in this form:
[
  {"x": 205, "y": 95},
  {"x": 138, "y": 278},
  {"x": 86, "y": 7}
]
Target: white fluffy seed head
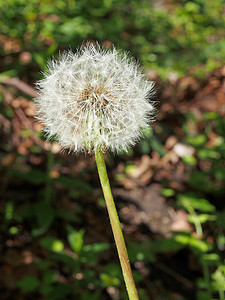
[{"x": 94, "y": 99}]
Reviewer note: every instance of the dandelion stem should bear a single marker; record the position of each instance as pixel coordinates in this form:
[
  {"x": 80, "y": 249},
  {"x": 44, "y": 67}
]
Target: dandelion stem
[{"x": 116, "y": 227}]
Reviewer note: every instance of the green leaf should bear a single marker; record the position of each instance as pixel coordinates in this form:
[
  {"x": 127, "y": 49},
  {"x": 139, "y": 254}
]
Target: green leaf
[
  {"x": 211, "y": 259},
  {"x": 67, "y": 260},
  {"x": 182, "y": 237},
  {"x": 52, "y": 244},
  {"x": 221, "y": 241},
  {"x": 35, "y": 149},
  {"x": 40, "y": 60},
  {"x": 167, "y": 192},
  {"x": 201, "y": 218},
  {"x": 167, "y": 245},
  {"x": 51, "y": 49},
  {"x": 96, "y": 248},
  {"x": 129, "y": 169},
  {"x": 190, "y": 202},
  {"x": 208, "y": 154},
  {"x": 44, "y": 214},
  {"x": 175, "y": 243},
  {"x": 114, "y": 270},
  {"x": 108, "y": 280},
  {"x": 197, "y": 140},
  {"x": 34, "y": 176},
  {"x": 157, "y": 145},
  {"x": 13, "y": 230},
  {"x": 119, "y": 177},
  {"x": 198, "y": 245},
  {"x": 28, "y": 283},
  {"x": 90, "y": 253},
  {"x": 9, "y": 211},
  {"x": 219, "y": 278},
  {"x": 210, "y": 115},
  {"x": 76, "y": 26},
  {"x": 75, "y": 239},
  {"x": 7, "y": 74},
  {"x": 189, "y": 160},
  {"x": 201, "y": 181},
  {"x": 60, "y": 291},
  {"x": 144, "y": 147},
  {"x": 180, "y": 240},
  {"x": 73, "y": 182},
  {"x": 220, "y": 128},
  {"x": 201, "y": 283}
]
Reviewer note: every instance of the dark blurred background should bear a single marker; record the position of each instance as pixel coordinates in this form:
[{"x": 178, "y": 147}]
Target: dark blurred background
[{"x": 56, "y": 240}]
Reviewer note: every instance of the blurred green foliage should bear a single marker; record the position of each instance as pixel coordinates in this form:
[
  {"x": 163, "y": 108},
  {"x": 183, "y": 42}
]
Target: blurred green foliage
[
  {"x": 180, "y": 36},
  {"x": 84, "y": 260},
  {"x": 202, "y": 213},
  {"x": 177, "y": 37}
]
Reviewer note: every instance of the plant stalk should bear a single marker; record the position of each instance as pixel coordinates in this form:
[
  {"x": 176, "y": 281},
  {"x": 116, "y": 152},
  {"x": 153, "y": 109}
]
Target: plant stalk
[
  {"x": 207, "y": 278},
  {"x": 116, "y": 227}
]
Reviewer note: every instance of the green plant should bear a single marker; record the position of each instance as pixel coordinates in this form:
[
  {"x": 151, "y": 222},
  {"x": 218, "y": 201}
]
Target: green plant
[{"x": 157, "y": 35}]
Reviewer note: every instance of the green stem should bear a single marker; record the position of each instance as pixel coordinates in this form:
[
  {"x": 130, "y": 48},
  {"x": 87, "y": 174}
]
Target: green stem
[
  {"x": 221, "y": 294},
  {"x": 198, "y": 225},
  {"x": 116, "y": 228},
  {"x": 207, "y": 278}
]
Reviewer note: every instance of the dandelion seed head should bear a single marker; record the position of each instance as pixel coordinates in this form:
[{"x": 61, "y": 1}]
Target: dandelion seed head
[{"x": 95, "y": 99}]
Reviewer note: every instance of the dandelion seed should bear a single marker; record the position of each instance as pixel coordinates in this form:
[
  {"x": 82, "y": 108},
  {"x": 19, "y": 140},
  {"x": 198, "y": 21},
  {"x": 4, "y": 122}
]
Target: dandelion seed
[{"x": 95, "y": 99}]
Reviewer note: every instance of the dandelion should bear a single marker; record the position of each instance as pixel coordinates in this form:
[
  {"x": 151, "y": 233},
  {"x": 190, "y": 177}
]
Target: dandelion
[
  {"x": 94, "y": 99},
  {"x": 97, "y": 100}
]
